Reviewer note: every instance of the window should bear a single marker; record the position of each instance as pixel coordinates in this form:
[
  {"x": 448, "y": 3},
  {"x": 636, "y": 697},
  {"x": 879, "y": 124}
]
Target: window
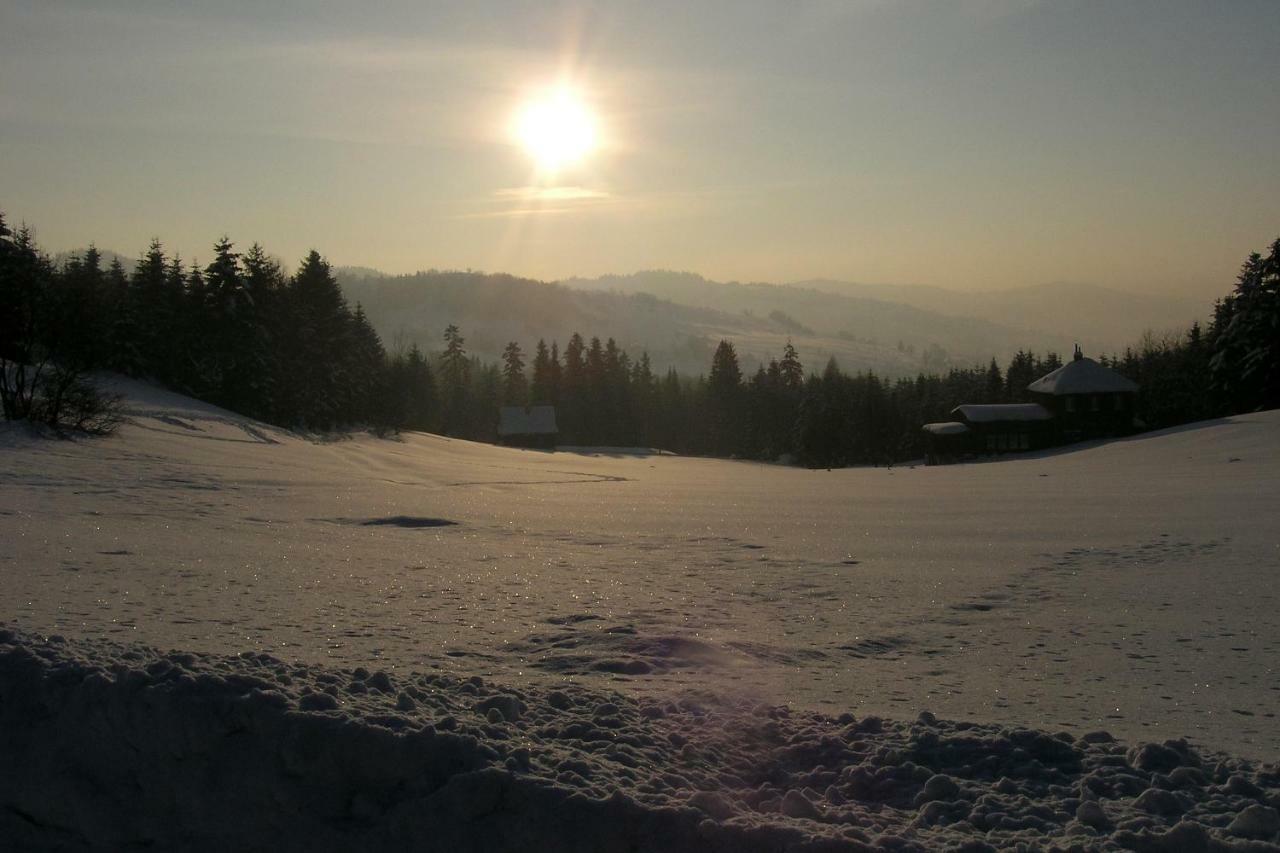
[
  {"x": 1024, "y": 441},
  {"x": 1070, "y": 404},
  {"x": 1095, "y": 403},
  {"x": 1119, "y": 402}
]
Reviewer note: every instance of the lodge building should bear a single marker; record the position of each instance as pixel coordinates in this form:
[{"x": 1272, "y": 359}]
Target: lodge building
[
  {"x": 1078, "y": 401},
  {"x": 528, "y": 426}
]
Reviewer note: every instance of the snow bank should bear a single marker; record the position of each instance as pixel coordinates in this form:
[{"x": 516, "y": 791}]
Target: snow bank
[{"x": 110, "y": 746}]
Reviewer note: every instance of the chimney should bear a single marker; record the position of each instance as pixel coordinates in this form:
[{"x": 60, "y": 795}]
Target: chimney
[{"x": 1079, "y": 355}]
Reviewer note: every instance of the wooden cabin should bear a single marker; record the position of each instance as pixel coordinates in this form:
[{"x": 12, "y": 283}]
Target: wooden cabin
[
  {"x": 528, "y": 426},
  {"x": 989, "y": 428},
  {"x": 1005, "y": 427},
  {"x": 1080, "y": 400},
  {"x": 947, "y": 442},
  {"x": 1087, "y": 400}
]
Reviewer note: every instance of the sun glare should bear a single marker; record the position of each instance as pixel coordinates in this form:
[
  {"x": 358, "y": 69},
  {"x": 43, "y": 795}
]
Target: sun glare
[{"x": 557, "y": 130}]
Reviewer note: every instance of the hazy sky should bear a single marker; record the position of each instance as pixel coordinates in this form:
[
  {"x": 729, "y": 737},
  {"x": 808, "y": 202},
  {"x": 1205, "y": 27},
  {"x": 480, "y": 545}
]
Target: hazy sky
[{"x": 980, "y": 144}]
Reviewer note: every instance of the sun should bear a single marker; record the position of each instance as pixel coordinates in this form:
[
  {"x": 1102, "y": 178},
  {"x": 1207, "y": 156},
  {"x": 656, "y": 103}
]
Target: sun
[{"x": 557, "y": 130}]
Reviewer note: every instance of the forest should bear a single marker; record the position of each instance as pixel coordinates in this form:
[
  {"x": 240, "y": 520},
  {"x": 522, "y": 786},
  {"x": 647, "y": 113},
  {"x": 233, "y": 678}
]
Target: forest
[{"x": 290, "y": 350}]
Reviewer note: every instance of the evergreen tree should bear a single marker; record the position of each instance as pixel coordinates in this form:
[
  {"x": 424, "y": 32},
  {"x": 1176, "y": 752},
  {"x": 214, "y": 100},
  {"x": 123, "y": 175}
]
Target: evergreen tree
[
  {"x": 553, "y": 375},
  {"x": 644, "y": 399},
  {"x": 316, "y": 385},
  {"x": 484, "y": 398},
  {"x": 1245, "y": 361},
  {"x": 365, "y": 370},
  {"x": 79, "y": 301},
  {"x": 123, "y": 350},
  {"x": 49, "y": 340},
  {"x": 1020, "y": 374},
  {"x": 411, "y": 392},
  {"x": 26, "y": 339},
  {"x": 540, "y": 389},
  {"x": 573, "y": 390},
  {"x": 515, "y": 390},
  {"x": 615, "y": 397},
  {"x": 153, "y": 310},
  {"x": 790, "y": 369},
  {"x": 232, "y": 364},
  {"x": 455, "y": 380},
  {"x": 724, "y": 390},
  {"x": 994, "y": 390}
]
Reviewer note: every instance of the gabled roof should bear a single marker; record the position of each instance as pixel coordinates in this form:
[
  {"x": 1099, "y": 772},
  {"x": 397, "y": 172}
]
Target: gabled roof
[
  {"x": 1082, "y": 376},
  {"x": 997, "y": 412},
  {"x": 947, "y": 428},
  {"x": 527, "y": 420}
]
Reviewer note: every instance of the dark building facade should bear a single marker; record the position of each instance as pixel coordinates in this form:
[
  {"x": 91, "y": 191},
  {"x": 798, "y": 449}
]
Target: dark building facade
[
  {"x": 1087, "y": 400},
  {"x": 528, "y": 426},
  {"x": 1080, "y": 400}
]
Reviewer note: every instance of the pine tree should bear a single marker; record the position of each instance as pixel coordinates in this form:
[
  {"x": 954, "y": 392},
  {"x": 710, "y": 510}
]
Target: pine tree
[
  {"x": 790, "y": 368},
  {"x": 724, "y": 390},
  {"x": 26, "y": 342},
  {"x": 539, "y": 388},
  {"x": 1020, "y": 374},
  {"x": 153, "y": 310},
  {"x": 644, "y": 399},
  {"x": 234, "y": 360},
  {"x": 365, "y": 372},
  {"x": 79, "y": 302},
  {"x": 515, "y": 390},
  {"x": 615, "y": 396},
  {"x": 571, "y": 416},
  {"x": 316, "y": 386},
  {"x": 1245, "y": 363},
  {"x": 455, "y": 380},
  {"x": 553, "y": 375},
  {"x": 994, "y": 390},
  {"x": 125, "y": 350},
  {"x": 484, "y": 399}
]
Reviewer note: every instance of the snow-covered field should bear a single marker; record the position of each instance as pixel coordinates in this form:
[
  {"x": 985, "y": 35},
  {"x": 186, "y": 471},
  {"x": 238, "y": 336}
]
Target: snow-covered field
[{"x": 633, "y": 624}]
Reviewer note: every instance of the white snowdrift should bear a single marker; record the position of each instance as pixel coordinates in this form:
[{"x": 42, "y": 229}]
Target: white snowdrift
[
  {"x": 648, "y": 619},
  {"x": 122, "y": 747}
]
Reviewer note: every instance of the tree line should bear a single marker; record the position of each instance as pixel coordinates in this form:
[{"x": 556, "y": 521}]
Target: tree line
[{"x": 290, "y": 350}]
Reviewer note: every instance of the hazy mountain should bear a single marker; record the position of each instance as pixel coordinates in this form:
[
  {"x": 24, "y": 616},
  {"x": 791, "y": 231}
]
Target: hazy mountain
[
  {"x": 969, "y": 326},
  {"x": 875, "y": 321},
  {"x": 493, "y": 309},
  {"x": 679, "y": 317},
  {"x": 1102, "y": 319},
  {"x": 60, "y": 258}
]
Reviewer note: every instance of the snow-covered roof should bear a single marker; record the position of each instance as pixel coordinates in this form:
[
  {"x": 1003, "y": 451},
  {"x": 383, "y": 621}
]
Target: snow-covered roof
[
  {"x": 527, "y": 420},
  {"x": 1082, "y": 376},
  {"x": 947, "y": 428},
  {"x": 995, "y": 412}
]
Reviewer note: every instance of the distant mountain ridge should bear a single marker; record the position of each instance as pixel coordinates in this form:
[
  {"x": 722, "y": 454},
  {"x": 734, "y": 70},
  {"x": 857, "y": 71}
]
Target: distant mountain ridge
[
  {"x": 1103, "y": 319},
  {"x": 678, "y": 317},
  {"x": 493, "y": 309},
  {"x": 877, "y": 321}
]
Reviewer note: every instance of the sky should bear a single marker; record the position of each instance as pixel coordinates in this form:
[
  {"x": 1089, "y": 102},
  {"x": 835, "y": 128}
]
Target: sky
[{"x": 971, "y": 144}]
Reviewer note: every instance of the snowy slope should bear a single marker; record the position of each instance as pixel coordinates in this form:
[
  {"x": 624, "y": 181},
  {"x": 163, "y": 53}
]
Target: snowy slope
[{"x": 1127, "y": 586}]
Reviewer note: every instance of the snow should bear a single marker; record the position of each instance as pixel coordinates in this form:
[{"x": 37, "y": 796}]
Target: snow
[
  {"x": 947, "y": 428},
  {"x": 764, "y": 616},
  {"x": 125, "y": 746},
  {"x": 1083, "y": 376}
]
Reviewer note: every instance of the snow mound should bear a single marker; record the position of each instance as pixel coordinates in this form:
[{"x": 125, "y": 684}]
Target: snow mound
[{"x": 109, "y": 746}]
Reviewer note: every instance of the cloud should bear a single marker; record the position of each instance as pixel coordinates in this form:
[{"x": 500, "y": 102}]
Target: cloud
[
  {"x": 534, "y": 200},
  {"x": 561, "y": 194}
]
